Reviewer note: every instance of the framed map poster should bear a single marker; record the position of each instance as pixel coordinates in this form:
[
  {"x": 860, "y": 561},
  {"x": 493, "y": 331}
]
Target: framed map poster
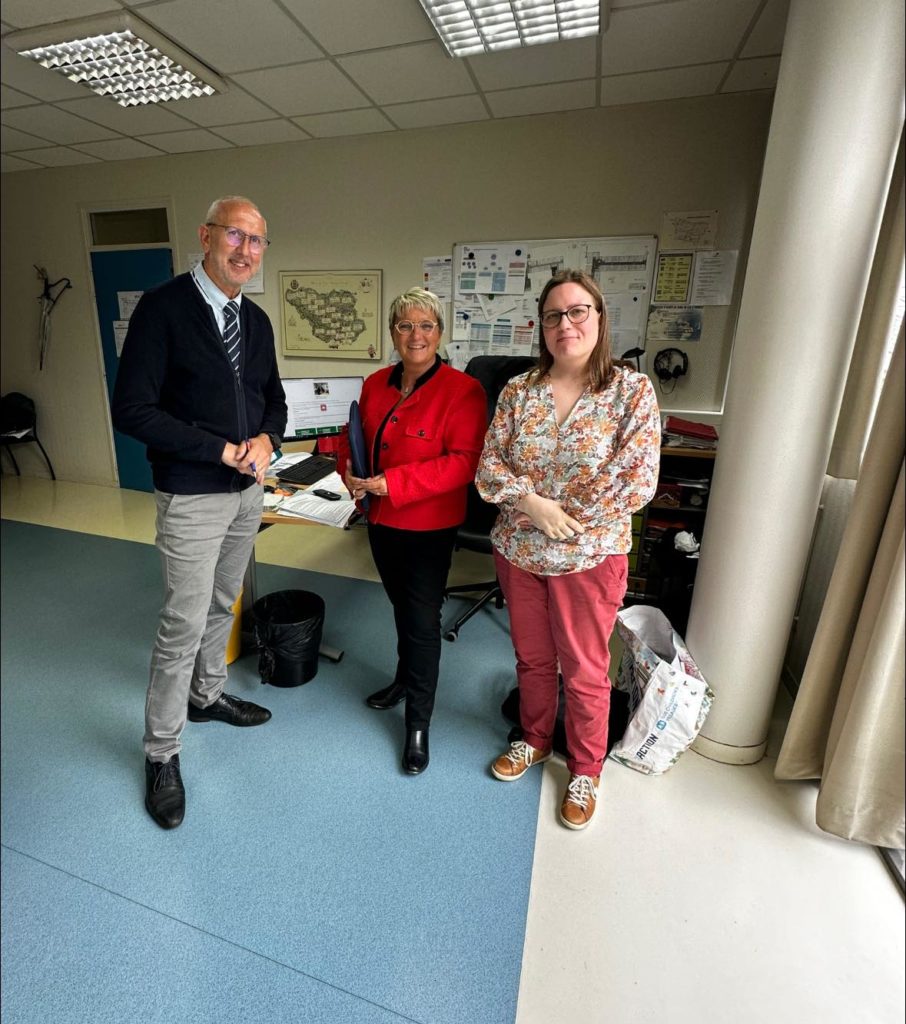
[{"x": 331, "y": 314}]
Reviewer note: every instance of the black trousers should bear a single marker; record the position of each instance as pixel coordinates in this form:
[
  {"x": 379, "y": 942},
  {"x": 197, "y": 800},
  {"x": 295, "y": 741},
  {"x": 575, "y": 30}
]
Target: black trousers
[{"x": 413, "y": 566}]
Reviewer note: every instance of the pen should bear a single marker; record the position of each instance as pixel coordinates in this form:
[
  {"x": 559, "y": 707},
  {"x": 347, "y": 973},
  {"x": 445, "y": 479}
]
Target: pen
[{"x": 248, "y": 445}]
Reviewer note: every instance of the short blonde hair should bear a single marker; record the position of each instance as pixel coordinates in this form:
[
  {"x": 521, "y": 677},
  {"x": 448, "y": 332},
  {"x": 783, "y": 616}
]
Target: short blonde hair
[{"x": 416, "y": 298}]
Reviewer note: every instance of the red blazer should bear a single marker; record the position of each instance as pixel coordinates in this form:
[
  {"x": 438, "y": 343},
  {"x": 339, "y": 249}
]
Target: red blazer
[{"x": 429, "y": 448}]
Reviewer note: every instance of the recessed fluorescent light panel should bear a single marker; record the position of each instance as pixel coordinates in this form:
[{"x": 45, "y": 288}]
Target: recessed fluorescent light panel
[
  {"x": 467, "y": 27},
  {"x": 119, "y": 56}
]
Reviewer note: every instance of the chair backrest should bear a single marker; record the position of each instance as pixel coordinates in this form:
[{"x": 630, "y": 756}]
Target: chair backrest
[
  {"x": 492, "y": 372},
  {"x": 17, "y": 412}
]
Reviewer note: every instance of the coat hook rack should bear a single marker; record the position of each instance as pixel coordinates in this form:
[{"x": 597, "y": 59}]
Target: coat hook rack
[{"x": 49, "y": 297}]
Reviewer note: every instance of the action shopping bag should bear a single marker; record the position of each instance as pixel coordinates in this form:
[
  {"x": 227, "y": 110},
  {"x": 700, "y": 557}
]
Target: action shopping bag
[{"x": 669, "y": 699}]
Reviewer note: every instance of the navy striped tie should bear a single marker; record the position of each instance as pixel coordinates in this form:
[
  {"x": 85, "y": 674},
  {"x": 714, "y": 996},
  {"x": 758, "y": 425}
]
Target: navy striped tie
[{"x": 231, "y": 332}]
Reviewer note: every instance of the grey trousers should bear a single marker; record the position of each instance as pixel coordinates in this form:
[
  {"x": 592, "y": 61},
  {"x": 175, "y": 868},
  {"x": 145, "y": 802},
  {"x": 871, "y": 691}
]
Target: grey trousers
[{"x": 205, "y": 542}]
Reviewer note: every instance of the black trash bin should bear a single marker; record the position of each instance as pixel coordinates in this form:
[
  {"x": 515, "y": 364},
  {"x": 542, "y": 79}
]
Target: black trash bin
[{"x": 288, "y": 626}]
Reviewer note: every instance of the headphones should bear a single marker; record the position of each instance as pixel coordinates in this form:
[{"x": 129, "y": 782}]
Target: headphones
[{"x": 670, "y": 364}]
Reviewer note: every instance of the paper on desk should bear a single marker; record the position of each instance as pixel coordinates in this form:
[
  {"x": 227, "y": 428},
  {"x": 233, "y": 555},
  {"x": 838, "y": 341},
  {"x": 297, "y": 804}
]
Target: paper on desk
[
  {"x": 288, "y": 460},
  {"x": 305, "y": 505}
]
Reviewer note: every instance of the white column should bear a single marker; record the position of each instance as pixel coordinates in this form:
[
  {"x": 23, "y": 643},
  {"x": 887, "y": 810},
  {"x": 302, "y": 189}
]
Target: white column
[{"x": 837, "y": 116}]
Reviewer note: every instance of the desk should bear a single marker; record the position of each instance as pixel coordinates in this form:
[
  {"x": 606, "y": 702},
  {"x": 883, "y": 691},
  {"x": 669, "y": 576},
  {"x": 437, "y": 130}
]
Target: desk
[{"x": 250, "y": 582}]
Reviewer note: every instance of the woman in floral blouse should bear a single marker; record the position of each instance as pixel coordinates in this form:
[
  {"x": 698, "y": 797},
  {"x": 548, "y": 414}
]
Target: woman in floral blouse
[{"x": 572, "y": 452}]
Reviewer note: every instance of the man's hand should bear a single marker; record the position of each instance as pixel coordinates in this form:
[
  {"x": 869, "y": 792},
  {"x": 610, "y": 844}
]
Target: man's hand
[
  {"x": 549, "y": 517},
  {"x": 249, "y": 457}
]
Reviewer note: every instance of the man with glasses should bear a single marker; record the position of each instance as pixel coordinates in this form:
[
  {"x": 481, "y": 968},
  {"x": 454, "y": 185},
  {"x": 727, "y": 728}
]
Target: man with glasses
[{"x": 198, "y": 385}]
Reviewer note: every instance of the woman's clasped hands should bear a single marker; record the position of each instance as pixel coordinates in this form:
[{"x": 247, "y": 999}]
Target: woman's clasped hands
[
  {"x": 548, "y": 516},
  {"x": 359, "y": 486}
]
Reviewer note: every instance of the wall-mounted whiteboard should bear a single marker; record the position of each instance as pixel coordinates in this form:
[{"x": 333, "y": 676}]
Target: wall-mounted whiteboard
[{"x": 496, "y": 287}]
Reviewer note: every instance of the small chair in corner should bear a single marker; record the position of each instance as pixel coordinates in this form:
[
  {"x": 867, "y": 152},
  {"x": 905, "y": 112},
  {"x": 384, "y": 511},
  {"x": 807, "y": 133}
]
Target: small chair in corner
[
  {"x": 492, "y": 372},
  {"x": 18, "y": 425}
]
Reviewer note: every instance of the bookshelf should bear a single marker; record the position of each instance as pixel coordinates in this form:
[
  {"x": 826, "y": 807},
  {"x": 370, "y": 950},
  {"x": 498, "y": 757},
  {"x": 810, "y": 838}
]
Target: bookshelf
[{"x": 659, "y": 575}]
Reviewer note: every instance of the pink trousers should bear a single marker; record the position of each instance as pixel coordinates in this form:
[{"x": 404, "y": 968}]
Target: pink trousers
[{"x": 568, "y": 620}]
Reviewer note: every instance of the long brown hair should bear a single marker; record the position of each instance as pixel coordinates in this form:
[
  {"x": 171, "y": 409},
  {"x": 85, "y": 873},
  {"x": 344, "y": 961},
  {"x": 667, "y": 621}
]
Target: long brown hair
[{"x": 600, "y": 362}]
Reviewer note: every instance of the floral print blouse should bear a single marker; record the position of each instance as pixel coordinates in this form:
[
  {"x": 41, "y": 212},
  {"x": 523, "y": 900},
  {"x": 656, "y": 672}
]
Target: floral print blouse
[{"x": 601, "y": 464}]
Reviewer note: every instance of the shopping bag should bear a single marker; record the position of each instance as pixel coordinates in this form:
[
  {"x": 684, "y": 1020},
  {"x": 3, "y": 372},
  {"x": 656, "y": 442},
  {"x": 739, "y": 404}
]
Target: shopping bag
[{"x": 669, "y": 699}]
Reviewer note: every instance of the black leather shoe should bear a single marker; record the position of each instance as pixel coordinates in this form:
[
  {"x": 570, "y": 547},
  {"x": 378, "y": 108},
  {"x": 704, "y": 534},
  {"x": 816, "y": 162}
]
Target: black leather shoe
[
  {"x": 415, "y": 752},
  {"x": 231, "y": 710},
  {"x": 165, "y": 796},
  {"x": 387, "y": 698}
]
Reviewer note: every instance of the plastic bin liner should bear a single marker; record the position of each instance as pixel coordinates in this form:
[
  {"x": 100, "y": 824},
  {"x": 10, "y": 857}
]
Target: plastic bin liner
[{"x": 288, "y": 626}]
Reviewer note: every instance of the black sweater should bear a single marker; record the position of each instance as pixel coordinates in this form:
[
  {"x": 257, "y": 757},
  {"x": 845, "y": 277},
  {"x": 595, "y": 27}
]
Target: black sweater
[{"x": 176, "y": 390}]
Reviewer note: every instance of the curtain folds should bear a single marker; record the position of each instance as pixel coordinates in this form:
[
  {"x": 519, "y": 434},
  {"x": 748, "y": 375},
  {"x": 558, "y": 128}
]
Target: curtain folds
[
  {"x": 847, "y": 724},
  {"x": 875, "y": 323}
]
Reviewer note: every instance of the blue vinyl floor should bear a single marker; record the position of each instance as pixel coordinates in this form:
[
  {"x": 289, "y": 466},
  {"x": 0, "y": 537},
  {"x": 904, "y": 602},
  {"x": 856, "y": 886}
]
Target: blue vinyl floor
[{"x": 311, "y": 880}]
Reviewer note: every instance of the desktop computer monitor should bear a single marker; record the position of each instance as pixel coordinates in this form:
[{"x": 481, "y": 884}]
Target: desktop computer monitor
[{"x": 318, "y": 407}]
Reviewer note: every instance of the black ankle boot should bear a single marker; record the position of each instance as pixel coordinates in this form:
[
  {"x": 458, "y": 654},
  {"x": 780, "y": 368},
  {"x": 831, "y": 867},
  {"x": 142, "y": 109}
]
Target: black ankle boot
[
  {"x": 387, "y": 698},
  {"x": 415, "y": 751}
]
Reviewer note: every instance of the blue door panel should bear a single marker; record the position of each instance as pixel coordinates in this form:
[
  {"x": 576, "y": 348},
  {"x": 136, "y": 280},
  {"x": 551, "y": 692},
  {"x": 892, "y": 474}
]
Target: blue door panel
[{"x": 126, "y": 270}]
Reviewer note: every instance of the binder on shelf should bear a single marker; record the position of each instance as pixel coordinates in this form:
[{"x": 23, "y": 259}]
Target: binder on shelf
[{"x": 689, "y": 434}]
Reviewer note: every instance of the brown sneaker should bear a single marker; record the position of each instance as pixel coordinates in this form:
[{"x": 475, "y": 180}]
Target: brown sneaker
[
  {"x": 579, "y": 800},
  {"x": 517, "y": 760}
]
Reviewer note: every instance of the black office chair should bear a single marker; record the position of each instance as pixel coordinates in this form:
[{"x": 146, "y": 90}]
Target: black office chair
[
  {"x": 492, "y": 372},
  {"x": 18, "y": 425}
]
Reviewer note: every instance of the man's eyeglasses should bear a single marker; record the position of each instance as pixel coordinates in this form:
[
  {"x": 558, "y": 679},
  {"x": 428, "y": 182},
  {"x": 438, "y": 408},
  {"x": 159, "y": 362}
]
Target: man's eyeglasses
[
  {"x": 407, "y": 326},
  {"x": 235, "y": 236},
  {"x": 575, "y": 315}
]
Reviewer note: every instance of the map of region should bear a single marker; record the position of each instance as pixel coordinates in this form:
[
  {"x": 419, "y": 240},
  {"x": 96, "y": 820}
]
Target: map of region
[
  {"x": 328, "y": 314},
  {"x": 332, "y": 316}
]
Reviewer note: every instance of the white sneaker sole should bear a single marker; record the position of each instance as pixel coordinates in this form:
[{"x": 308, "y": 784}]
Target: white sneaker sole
[
  {"x": 576, "y": 828},
  {"x": 515, "y": 778}
]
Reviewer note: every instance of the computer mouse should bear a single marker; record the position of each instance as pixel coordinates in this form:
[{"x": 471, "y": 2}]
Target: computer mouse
[{"x": 329, "y": 495}]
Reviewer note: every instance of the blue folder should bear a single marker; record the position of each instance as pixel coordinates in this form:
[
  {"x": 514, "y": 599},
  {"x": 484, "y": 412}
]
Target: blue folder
[{"x": 358, "y": 452}]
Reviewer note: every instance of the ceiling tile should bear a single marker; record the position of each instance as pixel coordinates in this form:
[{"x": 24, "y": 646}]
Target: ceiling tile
[
  {"x": 674, "y": 34},
  {"x": 59, "y": 156},
  {"x": 233, "y": 35},
  {"x": 12, "y": 98},
  {"x": 185, "y": 142},
  {"x": 28, "y": 77},
  {"x": 757, "y": 73},
  {"x": 424, "y": 114},
  {"x": 117, "y": 149},
  {"x": 12, "y": 139},
  {"x": 536, "y": 65},
  {"x": 13, "y": 163},
  {"x": 344, "y": 122},
  {"x": 343, "y": 26},
  {"x": 672, "y": 84},
  {"x": 767, "y": 35},
  {"x": 152, "y": 117},
  {"x": 303, "y": 88},
  {"x": 231, "y": 107},
  {"x": 261, "y": 133},
  {"x": 542, "y": 99},
  {"x": 418, "y": 72},
  {"x": 27, "y": 13},
  {"x": 56, "y": 125}
]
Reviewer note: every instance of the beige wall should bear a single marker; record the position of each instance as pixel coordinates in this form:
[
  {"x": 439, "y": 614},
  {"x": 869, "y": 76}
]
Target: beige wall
[{"x": 381, "y": 201}]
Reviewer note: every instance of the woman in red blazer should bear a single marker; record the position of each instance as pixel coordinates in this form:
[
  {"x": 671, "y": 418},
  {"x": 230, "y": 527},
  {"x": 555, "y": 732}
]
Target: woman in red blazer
[{"x": 424, "y": 426}]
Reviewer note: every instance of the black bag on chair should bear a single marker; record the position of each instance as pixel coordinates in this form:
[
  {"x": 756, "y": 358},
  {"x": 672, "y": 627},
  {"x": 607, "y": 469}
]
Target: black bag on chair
[{"x": 617, "y": 721}]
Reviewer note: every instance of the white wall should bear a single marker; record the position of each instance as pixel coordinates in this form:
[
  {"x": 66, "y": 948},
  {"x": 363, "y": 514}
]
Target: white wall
[{"x": 381, "y": 201}]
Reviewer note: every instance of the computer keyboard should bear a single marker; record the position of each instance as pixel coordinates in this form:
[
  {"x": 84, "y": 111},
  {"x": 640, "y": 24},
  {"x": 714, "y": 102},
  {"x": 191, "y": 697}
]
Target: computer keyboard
[{"x": 308, "y": 471}]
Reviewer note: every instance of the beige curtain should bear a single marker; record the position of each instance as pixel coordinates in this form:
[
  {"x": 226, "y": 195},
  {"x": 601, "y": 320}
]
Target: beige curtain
[
  {"x": 847, "y": 724},
  {"x": 870, "y": 349}
]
